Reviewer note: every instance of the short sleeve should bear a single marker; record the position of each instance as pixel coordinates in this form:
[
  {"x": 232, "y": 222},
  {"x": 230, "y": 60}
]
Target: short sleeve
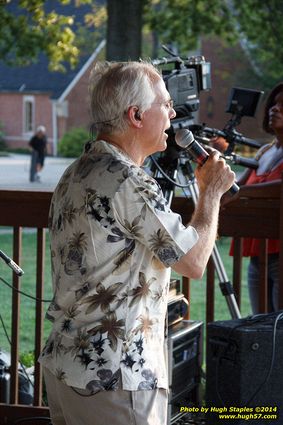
[{"x": 143, "y": 214}]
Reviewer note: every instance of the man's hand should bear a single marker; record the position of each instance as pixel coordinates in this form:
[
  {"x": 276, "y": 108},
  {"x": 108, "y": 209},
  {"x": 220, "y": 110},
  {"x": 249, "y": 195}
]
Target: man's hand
[{"x": 215, "y": 175}]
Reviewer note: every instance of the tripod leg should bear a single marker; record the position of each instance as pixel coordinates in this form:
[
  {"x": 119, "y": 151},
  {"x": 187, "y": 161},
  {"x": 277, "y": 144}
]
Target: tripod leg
[
  {"x": 166, "y": 180},
  {"x": 224, "y": 283}
]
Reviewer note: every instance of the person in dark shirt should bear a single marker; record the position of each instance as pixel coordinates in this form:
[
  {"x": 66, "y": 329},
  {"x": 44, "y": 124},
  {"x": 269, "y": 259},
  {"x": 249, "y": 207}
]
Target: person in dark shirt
[{"x": 38, "y": 144}]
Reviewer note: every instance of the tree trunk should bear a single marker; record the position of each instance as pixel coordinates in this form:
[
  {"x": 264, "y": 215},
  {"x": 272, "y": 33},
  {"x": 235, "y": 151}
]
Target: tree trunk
[{"x": 124, "y": 29}]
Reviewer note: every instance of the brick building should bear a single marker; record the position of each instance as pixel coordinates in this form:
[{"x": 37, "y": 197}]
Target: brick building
[
  {"x": 230, "y": 67},
  {"x": 32, "y": 96}
]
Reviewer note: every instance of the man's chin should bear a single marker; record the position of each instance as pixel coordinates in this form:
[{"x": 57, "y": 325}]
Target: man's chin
[{"x": 163, "y": 147}]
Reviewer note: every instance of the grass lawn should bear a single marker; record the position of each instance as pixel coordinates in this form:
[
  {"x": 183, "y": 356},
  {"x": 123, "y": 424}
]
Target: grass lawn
[
  {"x": 28, "y": 280},
  {"x": 198, "y": 289},
  {"x": 28, "y": 284}
]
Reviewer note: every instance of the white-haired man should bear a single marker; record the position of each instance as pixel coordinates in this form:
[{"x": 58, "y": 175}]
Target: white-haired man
[{"x": 114, "y": 241}]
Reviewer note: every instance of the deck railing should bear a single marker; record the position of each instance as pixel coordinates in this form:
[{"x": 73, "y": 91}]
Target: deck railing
[
  {"x": 260, "y": 217},
  {"x": 20, "y": 209}
]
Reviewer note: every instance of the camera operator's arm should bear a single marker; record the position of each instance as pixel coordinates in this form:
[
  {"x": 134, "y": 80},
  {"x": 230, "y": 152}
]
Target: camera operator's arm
[
  {"x": 219, "y": 143},
  {"x": 214, "y": 178}
]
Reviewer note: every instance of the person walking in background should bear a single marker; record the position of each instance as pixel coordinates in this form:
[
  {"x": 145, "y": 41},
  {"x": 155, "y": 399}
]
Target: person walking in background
[
  {"x": 38, "y": 144},
  {"x": 114, "y": 240}
]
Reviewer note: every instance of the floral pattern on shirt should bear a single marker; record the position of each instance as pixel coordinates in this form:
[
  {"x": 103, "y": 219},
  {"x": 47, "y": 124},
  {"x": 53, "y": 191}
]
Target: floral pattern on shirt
[{"x": 113, "y": 240}]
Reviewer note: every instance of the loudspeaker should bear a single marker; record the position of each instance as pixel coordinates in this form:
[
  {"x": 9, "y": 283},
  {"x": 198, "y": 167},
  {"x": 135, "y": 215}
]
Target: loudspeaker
[
  {"x": 184, "y": 367},
  {"x": 244, "y": 367}
]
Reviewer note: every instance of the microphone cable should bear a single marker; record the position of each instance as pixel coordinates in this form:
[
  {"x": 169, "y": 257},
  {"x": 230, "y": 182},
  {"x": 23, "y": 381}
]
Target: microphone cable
[
  {"x": 183, "y": 186},
  {"x": 24, "y": 293}
]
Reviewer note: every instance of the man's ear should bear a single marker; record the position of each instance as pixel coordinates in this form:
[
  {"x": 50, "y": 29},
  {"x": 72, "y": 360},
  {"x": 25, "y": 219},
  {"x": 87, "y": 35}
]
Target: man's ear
[
  {"x": 135, "y": 116},
  {"x": 138, "y": 116}
]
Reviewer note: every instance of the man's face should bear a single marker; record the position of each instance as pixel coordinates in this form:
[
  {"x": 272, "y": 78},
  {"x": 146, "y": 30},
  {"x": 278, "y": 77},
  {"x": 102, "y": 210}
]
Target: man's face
[{"x": 156, "y": 120}]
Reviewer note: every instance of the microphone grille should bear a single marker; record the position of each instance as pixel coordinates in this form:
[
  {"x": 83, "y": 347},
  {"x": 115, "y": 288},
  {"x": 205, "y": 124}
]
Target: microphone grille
[{"x": 184, "y": 138}]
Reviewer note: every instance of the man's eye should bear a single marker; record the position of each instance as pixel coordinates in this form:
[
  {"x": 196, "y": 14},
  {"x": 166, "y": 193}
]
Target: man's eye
[{"x": 169, "y": 104}]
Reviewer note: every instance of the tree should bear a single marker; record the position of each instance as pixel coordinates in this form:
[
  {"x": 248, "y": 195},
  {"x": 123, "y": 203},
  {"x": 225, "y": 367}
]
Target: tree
[
  {"x": 183, "y": 21},
  {"x": 124, "y": 43},
  {"x": 258, "y": 24},
  {"x": 262, "y": 34},
  {"x": 29, "y": 27}
]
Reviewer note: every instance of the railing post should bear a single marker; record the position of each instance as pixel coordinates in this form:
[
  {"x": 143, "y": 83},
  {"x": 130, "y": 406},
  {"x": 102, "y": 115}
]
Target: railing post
[
  {"x": 237, "y": 268},
  {"x": 40, "y": 258},
  {"x": 210, "y": 290},
  {"x": 263, "y": 290},
  {"x": 17, "y": 249}
]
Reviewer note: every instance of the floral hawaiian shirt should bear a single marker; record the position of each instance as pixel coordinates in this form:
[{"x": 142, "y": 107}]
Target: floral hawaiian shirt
[{"x": 113, "y": 240}]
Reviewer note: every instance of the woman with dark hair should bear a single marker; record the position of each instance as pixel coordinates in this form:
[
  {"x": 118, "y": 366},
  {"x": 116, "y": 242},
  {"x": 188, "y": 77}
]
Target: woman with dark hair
[{"x": 268, "y": 173}]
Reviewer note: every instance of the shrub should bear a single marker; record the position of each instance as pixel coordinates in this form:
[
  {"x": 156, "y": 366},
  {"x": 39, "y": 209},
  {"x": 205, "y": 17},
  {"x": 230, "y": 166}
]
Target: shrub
[
  {"x": 72, "y": 143},
  {"x": 3, "y": 145},
  {"x": 27, "y": 359}
]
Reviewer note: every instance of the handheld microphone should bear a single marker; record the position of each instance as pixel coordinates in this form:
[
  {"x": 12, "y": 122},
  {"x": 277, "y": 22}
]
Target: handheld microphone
[
  {"x": 185, "y": 139},
  {"x": 11, "y": 264}
]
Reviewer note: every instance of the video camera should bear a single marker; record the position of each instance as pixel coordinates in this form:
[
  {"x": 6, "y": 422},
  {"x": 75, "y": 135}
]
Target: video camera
[
  {"x": 184, "y": 84},
  {"x": 242, "y": 102}
]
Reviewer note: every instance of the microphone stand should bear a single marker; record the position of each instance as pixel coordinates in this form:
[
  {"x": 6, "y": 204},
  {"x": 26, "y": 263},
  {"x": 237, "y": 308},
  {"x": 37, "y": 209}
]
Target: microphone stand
[
  {"x": 11, "y": 263},
  {"x": 187, "y": 170}
]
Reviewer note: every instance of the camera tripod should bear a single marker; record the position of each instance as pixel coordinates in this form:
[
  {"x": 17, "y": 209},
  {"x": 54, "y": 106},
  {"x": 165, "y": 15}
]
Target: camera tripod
[{"x": 174, "y": 170}]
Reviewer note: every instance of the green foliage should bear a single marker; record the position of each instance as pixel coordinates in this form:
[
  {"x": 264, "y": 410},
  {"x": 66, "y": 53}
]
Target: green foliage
[
  {"x": 71, "y": 144},
  {"x": 27, "y": 359},
  {"x": 97, "y": 20},
  {"x": 260, "y": 25},
  {"x": 183, "y": 21},
  {"x": 24, "y": 36},
  {"x": 19, "y": 150},
  {"x": 3, "y": 145},
  {"x": 256, "y": 23}
]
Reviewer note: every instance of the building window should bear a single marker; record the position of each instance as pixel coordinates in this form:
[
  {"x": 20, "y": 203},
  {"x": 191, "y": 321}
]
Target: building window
[{"x": 28, "y": 114}]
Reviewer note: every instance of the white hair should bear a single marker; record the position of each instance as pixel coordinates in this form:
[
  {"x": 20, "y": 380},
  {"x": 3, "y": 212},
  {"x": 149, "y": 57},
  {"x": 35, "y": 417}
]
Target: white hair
[
  {"x": 114, "y": 87},
  {"x": 41, "y": 129}
]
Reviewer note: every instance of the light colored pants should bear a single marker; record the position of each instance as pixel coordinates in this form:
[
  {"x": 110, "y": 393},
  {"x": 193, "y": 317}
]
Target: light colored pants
[{"x": 121, "y": 407}]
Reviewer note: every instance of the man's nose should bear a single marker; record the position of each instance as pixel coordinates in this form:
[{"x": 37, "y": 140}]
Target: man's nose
[{"x": 172, "y": 113}]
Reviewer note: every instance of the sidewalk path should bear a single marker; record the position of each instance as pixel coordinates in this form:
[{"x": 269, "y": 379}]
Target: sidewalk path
[{"x": 14, "y": 172}]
